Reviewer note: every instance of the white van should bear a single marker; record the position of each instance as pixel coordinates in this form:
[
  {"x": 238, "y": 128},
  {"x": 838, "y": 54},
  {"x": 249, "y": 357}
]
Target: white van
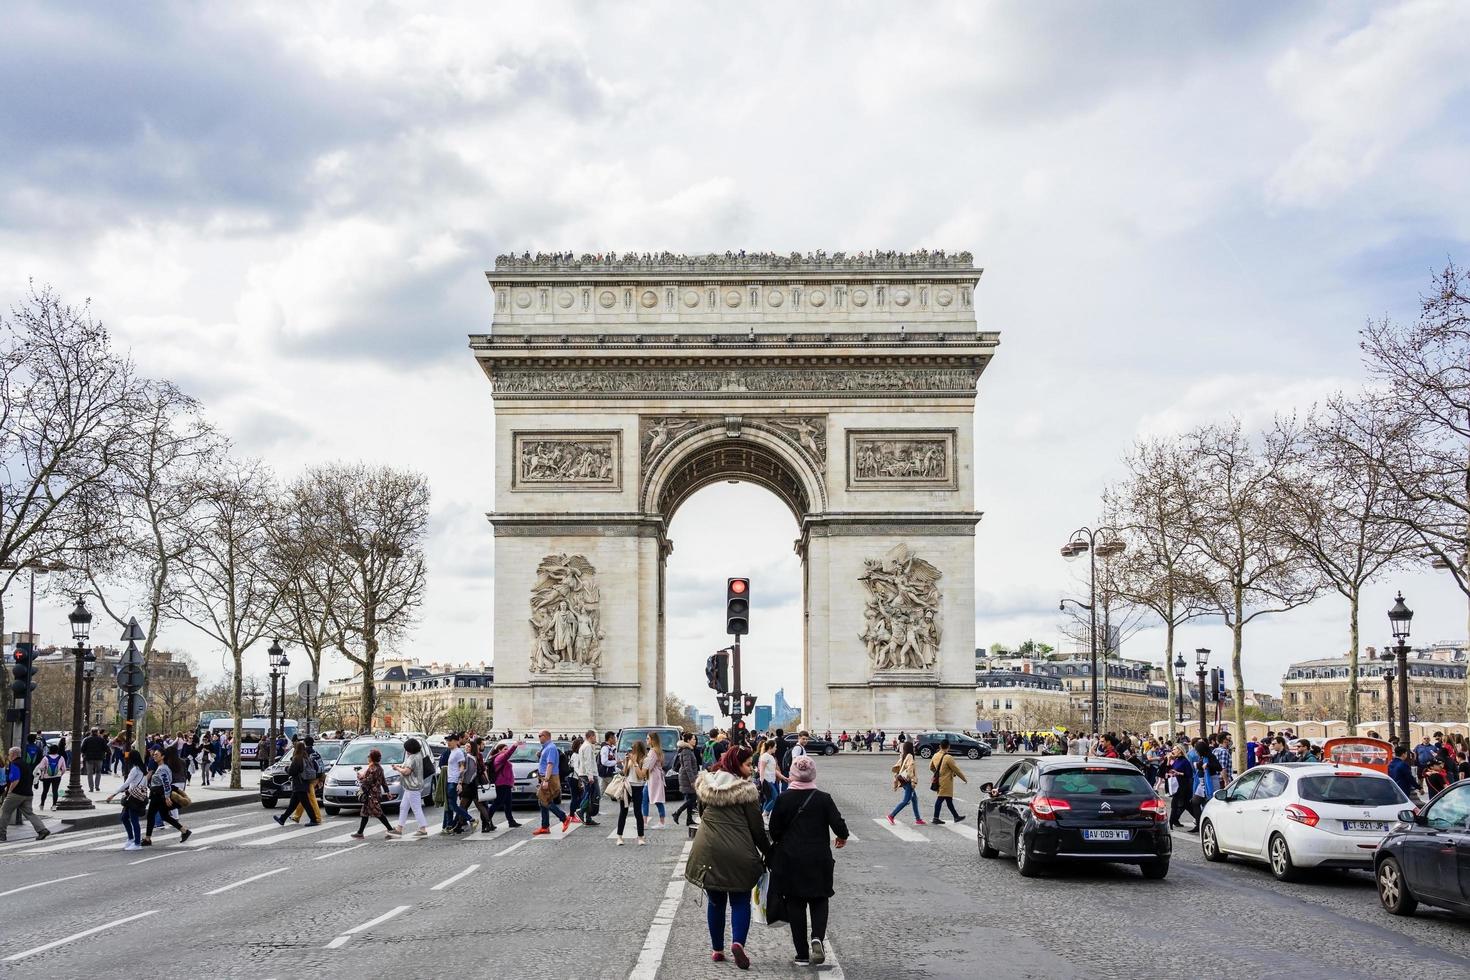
[{"x": 252, "y": 733}]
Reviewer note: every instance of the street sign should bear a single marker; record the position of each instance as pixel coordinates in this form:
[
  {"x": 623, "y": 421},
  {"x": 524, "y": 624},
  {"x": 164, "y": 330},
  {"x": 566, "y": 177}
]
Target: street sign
[
  {"x": 140, "y": 705},
  {"x": 132, "y": 656},
  {"x": 130, "y": 676},
  {"x": 306, "y": 690}
]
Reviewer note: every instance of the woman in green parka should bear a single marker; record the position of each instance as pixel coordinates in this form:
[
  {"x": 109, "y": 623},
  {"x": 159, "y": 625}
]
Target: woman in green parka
[{"x": 728, "y": 857}]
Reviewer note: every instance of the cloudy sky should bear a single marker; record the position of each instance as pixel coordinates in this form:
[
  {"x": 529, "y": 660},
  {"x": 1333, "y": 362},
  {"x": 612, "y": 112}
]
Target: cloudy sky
[{"x": 1182, "y": 210}]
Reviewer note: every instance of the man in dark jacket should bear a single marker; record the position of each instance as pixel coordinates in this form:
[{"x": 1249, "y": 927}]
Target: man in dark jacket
[
  {"x": 94, "y": 756},
  {"x": 801, "y": 862},
  {"x": 1401, "y": 771}
]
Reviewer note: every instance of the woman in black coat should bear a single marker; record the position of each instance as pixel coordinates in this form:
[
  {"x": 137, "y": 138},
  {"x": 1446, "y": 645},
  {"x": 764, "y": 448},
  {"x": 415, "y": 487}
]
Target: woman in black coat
[{"x": 801, "y": 861}]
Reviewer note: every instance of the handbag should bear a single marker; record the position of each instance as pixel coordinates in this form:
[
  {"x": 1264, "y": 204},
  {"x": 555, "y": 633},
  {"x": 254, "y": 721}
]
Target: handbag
[
  {"x": 181, "y": 799},
  {"x": 617, "y": 788}
]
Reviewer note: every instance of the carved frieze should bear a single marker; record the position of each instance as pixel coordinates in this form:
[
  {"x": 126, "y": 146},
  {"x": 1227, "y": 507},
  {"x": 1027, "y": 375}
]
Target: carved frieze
[
  {"x": 566, "y": 622},
  {"x": 902, "y": 617},
  {"x": 707, "y": 381},
  {"x": 923, "y": 259},
  {"x": 901, "y": 459},
  {"x": 567, "y": 461}
]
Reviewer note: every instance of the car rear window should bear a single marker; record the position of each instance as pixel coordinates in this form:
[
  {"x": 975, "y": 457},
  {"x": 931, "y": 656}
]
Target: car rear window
[
  {"x": 526, "y": 753},
  {"x": 1350, "y": 790},
  {"x": 1096, "y": 782}
]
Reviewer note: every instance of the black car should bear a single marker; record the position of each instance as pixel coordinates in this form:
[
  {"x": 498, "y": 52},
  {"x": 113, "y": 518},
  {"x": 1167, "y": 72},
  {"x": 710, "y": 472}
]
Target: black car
[
  {"x": 1075, "y": 808},
  {"x": 927, "y": 743},
  {"x": 814, "y": 745},
  {"x": 275, "y": 785},
  {"x": 1426, "y": 857}
]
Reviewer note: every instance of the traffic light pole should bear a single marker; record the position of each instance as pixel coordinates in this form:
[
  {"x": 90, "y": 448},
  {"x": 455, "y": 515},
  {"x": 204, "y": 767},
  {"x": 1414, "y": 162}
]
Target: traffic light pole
[{"x": 737, "y": 699}]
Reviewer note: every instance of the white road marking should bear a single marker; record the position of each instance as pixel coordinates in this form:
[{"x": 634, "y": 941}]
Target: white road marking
[
  {"x": 323, "y": 857},
  {"x": 833, "y": 968},
  {"x": 246, "y": 881},
  {"x": 453, "y": 878},
  {"x": 93, "y": 840},
  {"x": 963, "y": 829},
  {"x": 80, "y": 935},
  {"x": 88, "y": 835},
  {"x": 652, "y": 954},
  {"x": 347, "y": 935},
  {"x": 339, "y": 839},
  {"x": 512, "y": 848},
  {"x": 153, "y": 858},
  {"x": 900, "y": 830},
  {"x": 53, "y": 881},
  {"x": 247, "y": 832},
  {"x": 289, "y": 835}
]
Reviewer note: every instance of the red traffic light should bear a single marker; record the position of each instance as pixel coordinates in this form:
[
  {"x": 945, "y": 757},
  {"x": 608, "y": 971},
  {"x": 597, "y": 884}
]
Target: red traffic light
[{"x": 739, "y": 585}]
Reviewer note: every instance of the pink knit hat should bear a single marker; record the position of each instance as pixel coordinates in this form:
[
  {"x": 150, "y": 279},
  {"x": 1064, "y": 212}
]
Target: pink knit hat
[{"x": 803, "y": 772}]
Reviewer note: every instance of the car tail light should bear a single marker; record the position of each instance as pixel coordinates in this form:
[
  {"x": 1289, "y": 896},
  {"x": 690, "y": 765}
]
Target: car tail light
[
  {"x": 1047, "y": 807},
  {"x": 1302, "y": 814},
  {"x": 1157, "y": 807}
]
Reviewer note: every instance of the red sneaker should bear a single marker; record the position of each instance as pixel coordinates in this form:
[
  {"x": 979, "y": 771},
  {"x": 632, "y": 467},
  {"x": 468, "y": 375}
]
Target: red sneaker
[
  {"x": 718, "y": 956},
  {"x": 574, "y": 819},
  {"x": 918, "y": 823},
  {"x": 891, "y": 820},
  {"x": 741, "y": 960},
  {"x": 539, "y": 831},
  {"x": 565, "y": 824}
]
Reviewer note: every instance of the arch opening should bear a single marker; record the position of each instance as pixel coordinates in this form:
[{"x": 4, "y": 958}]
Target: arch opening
[{"x": 732, "y": 459}]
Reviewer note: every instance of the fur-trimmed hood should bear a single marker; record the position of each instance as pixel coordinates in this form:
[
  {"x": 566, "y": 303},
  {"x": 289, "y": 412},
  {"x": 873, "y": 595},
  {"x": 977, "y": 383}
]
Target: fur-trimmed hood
[{"x": 720, "y": 788}]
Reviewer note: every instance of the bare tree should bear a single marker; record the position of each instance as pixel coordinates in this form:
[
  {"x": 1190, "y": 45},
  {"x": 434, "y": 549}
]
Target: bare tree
[
  {"x": 367, "y": 525},
  {"x": 1420, "y": 402},
  {"x": 424, "y": 714},
  {"x": 227, "y": 589},
  {"x": 1342, "y": 511},
  {"x": 463, "y": 718},
  {"x": 66, "y": 403},
  {"x": 1245, "y": 564},
  {"x": 311, "y": 586},
  {"x": 1155, "y": 574}
]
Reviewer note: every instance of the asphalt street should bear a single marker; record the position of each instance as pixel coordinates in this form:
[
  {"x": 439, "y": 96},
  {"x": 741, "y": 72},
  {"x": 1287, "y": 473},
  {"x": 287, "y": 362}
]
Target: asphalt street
[{"x": 245, "y": 898}]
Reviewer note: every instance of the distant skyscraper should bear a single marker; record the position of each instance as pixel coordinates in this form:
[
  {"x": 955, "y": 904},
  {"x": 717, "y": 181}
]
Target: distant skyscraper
[
  {"x": 783, "y": 714},
  {"x": 763, "y": 717},
  {"x": 705, "y": 722}
]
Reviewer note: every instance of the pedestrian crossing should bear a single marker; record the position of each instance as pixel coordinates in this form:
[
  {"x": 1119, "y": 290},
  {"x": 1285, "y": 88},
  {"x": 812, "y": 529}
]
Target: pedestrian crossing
[{"x": 910, "y": 834}]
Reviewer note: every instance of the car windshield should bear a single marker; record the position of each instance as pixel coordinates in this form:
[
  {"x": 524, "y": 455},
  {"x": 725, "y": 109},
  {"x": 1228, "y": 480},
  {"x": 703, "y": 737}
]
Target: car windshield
[
  {"x": 666, "y": 737},
  {"x": 1096, "y": 781},
  {"x": 328, "y": 751},
  {"x": 356, "y": 754},
  {"x": 526, "y": 753},
  {"x": 1350, "y": 790}
]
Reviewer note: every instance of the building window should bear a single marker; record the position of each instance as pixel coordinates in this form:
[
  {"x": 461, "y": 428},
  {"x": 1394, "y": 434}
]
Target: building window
[
  {"x": 1008, "y": 704},
  {"x": 1293, "y": 697}
]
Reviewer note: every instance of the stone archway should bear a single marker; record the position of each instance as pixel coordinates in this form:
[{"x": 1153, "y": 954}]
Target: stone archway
[{"x": 845, "y": 386}]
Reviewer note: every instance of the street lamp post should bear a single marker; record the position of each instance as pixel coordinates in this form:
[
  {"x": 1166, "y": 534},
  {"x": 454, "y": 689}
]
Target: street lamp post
[
  {"x": 1179, "y": 666},
  {"x": 1399, "y": 617},
  {"x": 1086, "y": 539},
  {"x": 1201, "y": 657},
  {"x": 274, "y": 652},
  {"x": 89, "y": 674},
  {"x": 1387, "y": 657},
  {"x": 81, "y": 628}
]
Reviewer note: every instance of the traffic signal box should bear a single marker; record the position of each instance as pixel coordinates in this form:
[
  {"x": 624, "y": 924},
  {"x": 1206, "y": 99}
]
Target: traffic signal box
[{"x": 737, "y": 606}]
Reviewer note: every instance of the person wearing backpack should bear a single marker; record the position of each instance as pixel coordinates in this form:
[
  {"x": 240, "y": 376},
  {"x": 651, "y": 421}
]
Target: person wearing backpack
[
  {"x": 52, "y": 768},
  {"x": 301, "y": 783},
  {"x": 18, "y": 795},
  {"x": 315, "y": 773}
]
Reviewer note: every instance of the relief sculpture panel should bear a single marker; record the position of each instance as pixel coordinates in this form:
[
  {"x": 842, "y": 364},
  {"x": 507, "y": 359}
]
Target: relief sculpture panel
[
  {"x": 566, "y": 628},
  {"x": 808, "y": 432},
  {"x": 900, "y": 459},
  {"x": 902, "y": 626},
  {"x": 567, "y": 461}
]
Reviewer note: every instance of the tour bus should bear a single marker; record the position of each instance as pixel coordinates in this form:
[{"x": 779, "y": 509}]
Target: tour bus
[{"x": 252, "y": 730}]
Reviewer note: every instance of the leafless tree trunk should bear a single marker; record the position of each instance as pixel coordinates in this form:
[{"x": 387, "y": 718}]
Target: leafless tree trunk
[
  {"x": 1422, "y": 395},
  {"x": 227, "y": 587},
  {"x": 367, "y": 525},
  {"x": 1148, "y": 507},
  {"x": 1246, "y": 565},
  {"x": 1340, "y": 511}
]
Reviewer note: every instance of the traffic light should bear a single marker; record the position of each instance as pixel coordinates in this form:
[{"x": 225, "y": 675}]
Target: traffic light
[
  {"x": 1216, "y": 684},
  {"x": 740, "y": 725},
  {"x": 724, "y": 702},
  {"x": 749, "y": 702},
  {"x": 716, "y": 671},
  {"x": 22, "y": 674},
  {"x": 737, "y": 606}
]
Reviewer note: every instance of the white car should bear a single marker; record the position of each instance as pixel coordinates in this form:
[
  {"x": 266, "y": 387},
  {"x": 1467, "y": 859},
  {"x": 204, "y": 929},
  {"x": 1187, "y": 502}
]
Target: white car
[{"x": 1296, "y": 815}]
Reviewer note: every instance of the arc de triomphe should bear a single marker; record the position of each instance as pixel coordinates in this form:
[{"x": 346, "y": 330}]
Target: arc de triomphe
[{"x": 843, "y": 384}]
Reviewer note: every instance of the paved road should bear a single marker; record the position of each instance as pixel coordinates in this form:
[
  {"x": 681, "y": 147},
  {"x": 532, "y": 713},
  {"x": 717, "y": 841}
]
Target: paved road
[{"x": 916, "y": 902}]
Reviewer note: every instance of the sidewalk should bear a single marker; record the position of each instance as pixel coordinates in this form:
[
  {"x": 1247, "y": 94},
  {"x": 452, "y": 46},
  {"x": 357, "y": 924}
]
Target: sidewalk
[{"x": 217, "y": 794}]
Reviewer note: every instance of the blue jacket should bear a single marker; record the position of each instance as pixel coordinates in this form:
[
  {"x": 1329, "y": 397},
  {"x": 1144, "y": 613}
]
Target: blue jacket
[{"x": 1399, "y": 772}]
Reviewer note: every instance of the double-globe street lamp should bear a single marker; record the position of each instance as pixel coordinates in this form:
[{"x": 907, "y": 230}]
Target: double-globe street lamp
[
  {"x": 1101, "y": 543},
  {"x": 1201, "y": 657},
  {"x": 81, "y": 628},
  {"x": 1399, "y": 617},
  {"x": 1179, "y": 666},
  {"x": 279, "y": 664}
]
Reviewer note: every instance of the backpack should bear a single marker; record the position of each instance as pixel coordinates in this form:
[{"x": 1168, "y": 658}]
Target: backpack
[
  {"x": 309, "y": 769},
  {"x": 52, "y": 763},
  {"x": 563, "y": 765}
]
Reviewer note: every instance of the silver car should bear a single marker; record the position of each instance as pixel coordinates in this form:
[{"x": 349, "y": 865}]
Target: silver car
[{"x": 341, "y": 790}]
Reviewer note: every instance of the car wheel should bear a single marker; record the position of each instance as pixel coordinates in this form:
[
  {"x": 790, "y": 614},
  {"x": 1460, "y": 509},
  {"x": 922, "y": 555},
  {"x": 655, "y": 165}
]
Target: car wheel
[
  {"x": 925, "y": 752},
  {"x": 1280, "y": 855},
  {"x": 268, "y": 802},
  {"x": 1209, "y": 844},
  {"x": 973, "y": 754},
  {"x": 1026, "y": 864},
  {"x": 332, "y": 811},
  {"x": 1393, "y": 891},
  {"x": 986, "y": 851},
  {"x": 830, "y": 750},
  {"x": 1155, "y": 870}
]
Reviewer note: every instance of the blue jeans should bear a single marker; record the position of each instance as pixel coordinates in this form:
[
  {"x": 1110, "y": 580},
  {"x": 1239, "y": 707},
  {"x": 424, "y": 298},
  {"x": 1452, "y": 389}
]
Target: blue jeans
[
  {"x": 130, "y": 824},
  {"x": 770, "y": 803},
  {"x": 910, "y": 798},
  {"x": 453, "y": 812},
  {"x": 661, "y": 811},
  {"x": 739, "y": 917},
  {"x": 548, "y": 810}
]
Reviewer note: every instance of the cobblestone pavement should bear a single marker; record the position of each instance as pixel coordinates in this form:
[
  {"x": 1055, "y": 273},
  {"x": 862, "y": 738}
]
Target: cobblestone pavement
[{"x": 245, "y": 898}]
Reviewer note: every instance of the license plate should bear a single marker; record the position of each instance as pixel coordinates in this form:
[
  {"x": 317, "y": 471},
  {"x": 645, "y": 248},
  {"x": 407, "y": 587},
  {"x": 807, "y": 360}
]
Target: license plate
[
  {"x": 1373, "y": 825},
  {"x": 1107, "y": 835}
]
